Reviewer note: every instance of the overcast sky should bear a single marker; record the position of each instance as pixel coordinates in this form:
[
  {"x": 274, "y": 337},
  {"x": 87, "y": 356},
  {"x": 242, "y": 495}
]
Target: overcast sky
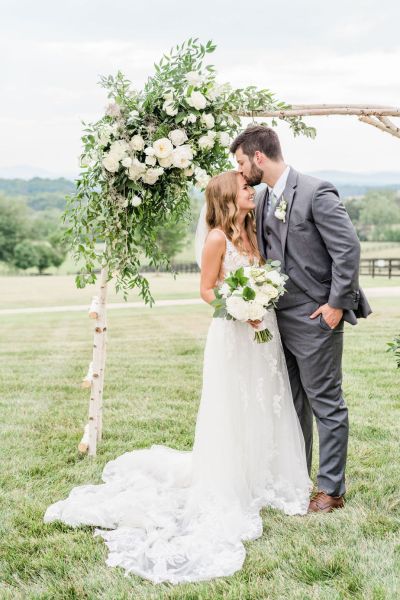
[{"x": 306, "y": 52}]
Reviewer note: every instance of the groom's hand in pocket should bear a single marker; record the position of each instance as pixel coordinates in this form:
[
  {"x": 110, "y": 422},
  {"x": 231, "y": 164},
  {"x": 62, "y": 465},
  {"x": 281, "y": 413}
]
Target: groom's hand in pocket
[{"x": 332, "y": 316}]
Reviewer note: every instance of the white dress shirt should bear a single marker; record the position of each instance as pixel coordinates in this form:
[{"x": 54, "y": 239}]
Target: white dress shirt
[{"x": 280, "y": 185}]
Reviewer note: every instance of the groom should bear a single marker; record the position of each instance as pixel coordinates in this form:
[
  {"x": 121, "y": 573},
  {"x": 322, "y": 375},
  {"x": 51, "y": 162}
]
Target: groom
[{"x": 302, "y": 223}]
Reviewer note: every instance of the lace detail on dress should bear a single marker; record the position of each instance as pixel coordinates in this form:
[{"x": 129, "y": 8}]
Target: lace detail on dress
[{"x": 234, "y": 259}]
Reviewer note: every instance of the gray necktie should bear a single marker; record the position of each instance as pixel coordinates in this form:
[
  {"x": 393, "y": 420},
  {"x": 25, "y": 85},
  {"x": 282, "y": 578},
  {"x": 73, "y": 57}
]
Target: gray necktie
[{"x": 272, "y": 198}]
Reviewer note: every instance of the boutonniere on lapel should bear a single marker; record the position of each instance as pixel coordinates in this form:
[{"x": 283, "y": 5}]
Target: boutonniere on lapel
[{"x": 280, "y": 211}]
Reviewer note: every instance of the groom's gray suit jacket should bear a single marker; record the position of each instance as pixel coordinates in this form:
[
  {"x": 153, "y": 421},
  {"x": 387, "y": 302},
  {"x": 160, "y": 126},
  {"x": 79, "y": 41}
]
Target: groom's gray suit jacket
[{"x": 320, "y": 248}]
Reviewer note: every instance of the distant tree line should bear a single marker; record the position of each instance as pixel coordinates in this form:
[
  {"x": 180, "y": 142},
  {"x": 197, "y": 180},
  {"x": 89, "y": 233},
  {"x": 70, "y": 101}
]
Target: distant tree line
[
  {"x": 31, "y": 228},
  {"x": 30, "y": 238},
  {"x": 376, "y": 216}
]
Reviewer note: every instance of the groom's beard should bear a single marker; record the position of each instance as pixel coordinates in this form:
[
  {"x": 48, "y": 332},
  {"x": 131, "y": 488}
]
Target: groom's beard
[{"x": 255, "y": 176}]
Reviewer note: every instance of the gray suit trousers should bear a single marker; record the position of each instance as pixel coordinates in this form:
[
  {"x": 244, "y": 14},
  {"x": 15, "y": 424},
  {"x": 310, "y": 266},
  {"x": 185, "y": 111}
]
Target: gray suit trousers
[{"x": 314, "y": 356}]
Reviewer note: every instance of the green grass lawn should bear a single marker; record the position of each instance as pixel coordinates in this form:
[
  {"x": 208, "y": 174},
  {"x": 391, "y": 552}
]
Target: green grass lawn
[
  {"x": 19, "y": 292},
  {"x": 153, "y": 382}
]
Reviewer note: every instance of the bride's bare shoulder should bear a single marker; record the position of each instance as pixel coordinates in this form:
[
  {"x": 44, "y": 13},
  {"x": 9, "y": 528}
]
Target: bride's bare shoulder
[{"x": 216, "y": 237}]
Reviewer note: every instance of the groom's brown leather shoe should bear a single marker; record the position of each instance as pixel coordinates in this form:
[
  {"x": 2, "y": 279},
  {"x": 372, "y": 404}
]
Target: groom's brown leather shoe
[{"x": 322, "y": 502}]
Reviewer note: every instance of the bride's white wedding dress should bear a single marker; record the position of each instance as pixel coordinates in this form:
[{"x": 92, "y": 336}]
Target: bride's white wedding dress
[{"x": 178, "y": 516}]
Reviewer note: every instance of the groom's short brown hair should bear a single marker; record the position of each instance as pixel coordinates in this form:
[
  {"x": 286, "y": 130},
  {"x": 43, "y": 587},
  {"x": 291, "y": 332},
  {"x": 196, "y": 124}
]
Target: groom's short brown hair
[{"x": 258, "y": 137}]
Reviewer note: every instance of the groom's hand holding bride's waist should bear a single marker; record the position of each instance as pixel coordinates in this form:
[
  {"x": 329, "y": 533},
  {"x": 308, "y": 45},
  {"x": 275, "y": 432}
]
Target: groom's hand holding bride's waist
[{"x": 332, "y": 316}]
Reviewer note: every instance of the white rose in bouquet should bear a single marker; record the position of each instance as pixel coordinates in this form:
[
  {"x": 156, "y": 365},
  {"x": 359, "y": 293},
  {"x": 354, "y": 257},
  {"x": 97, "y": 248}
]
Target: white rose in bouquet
[
  {"x": 137, "y": 143},
  {"x": 149, "y": 151},
  {"x": 225, "y": 290},
  {"x": 257, "y": 274},
  {"x": 270, "y": 291},
  {"x": 255, "y": 311},
  {"x": 208, "y": 120},
  {"x": 181, "y": 157},
  {"x": 152, "y": 175},
  {"x": 194, "y": 78},
  {"x": 197, "y": 100},
  {"x": 110, "y": 163},
  {"x": 238, "y": 308},
  {"x": 261, "y": 298},
  {"x": 163, "y": 148},
  {"x": 136, "y": 170},
  {"x": 275, "y": 277},
  {"x": 178, "y": 136},
  {"x": 169, "y": 108}
]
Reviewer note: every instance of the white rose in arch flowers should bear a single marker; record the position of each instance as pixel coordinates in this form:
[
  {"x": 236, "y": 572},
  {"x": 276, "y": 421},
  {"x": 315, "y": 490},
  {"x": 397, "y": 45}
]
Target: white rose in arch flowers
[
  {"x": 206, "y": 142},
  {"x": 191, "y": 118},
  {"x": 224, "y": 139},
  {"x": 126, "y": 162},
  {"x": 151, "y": 161},
  {"x": 137, "y": 143},
  {"x": 197, "y": 100},
  {"x": 208, "y": 120},
  {"x": 182, "y": 156},
  {"x": 136, "y": 201},
  {"x": 202, "y": 177},
  {"x": 194, "y": 78},
  {"x": 113, "y": 110},
  {"x": 165, "y": 162},
  {"x": 110, "y": 163},
  {"x": 119, "y": 149},
  {"x": 136, "y": 169},
  {"x": 152, "y": 175},
  {"x": 169, "y": 108},
  {"x": 163, "y": 147},
  {"x": 178, "y": 136}
]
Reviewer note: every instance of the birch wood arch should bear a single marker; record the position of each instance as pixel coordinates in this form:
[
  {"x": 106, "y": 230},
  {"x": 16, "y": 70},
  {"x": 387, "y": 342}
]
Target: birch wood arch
[{"x": 375, "y": 115}]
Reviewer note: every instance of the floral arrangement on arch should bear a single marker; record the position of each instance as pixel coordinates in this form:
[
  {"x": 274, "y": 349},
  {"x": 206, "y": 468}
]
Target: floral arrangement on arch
[{"x": 142, "y": 158}]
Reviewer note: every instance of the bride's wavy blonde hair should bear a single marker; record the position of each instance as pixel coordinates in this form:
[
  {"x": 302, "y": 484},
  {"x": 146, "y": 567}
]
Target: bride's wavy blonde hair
[{"x": 222, "y": 211}]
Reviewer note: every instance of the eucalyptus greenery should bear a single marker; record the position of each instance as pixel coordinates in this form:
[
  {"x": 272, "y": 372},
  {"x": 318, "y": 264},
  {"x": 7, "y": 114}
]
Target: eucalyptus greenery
[{"x": 141, "y": 159}]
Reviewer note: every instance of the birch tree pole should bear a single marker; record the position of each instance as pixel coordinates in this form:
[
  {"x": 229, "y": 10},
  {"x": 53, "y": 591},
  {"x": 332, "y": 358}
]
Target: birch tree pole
[{"x": 95, "y": 376}]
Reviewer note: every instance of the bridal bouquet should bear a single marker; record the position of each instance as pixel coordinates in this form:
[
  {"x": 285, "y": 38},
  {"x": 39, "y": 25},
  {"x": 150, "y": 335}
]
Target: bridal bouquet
[{"x": 247, "y": 293}]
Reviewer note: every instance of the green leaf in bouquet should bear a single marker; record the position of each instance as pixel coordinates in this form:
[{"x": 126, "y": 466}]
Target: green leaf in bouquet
[
  {"x": 217, "y": 293},
  {"x": 237, "y": 279},
  {"x": 248, "y": 293},
  {"x": 219, "y": 305}
]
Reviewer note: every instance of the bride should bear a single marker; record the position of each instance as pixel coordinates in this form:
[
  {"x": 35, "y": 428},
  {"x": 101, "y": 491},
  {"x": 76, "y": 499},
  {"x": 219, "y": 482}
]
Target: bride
[{"x": 178, "y": 516}]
